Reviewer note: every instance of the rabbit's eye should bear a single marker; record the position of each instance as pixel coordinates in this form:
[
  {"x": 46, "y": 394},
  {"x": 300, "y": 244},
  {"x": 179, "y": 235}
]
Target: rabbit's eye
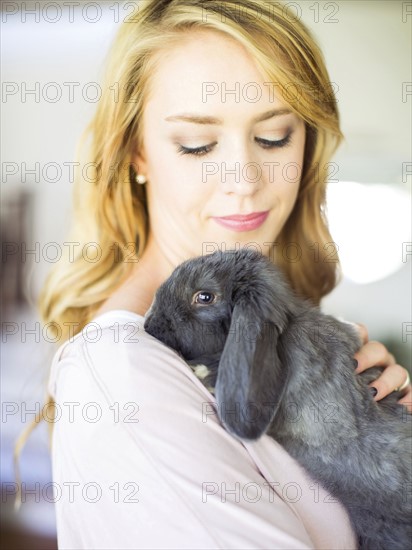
[{"x": 204, "y": 298}]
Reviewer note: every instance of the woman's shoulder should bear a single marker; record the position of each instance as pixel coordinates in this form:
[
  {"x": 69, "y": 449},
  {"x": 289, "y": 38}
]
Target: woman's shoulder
[
  {"x": 114, "y": 350},
  {"x": 106, "y": 330}
]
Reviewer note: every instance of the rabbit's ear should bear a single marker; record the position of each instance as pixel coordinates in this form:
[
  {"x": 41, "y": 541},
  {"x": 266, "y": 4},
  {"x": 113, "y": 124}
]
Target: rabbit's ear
[{"x": 250, "y": 380}]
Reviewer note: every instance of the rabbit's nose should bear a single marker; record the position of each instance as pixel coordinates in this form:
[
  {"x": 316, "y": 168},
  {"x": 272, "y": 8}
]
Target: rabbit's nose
[
  {"x": 146, "y": 324},
  {"x": 156, "y": 327},
  {"x": 153, "y": 329},
  {"x": 151, "y": 325},
  {"x": 149, "y": 311}
]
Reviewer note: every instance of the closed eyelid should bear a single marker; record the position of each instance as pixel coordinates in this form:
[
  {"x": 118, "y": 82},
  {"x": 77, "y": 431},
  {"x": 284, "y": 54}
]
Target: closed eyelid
[
  {"x": 271, "y": 126},
  {"x": 274, "y": 135},
  {"x": 279, "y": 143},
  {"x": 197, "y": 140},
  {"x": 205, "y": 141},
  {"x": 190, "y": 135},
  {"x": 195, "y": 151},
  {"x": 203, "y": 150}
]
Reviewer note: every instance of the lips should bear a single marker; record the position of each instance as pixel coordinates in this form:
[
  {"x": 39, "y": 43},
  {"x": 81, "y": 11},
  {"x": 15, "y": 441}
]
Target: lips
[{"x": 240, "y": 222}]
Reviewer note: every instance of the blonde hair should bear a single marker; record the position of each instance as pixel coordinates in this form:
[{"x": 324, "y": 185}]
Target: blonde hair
[{"x": 110, "y": 209}]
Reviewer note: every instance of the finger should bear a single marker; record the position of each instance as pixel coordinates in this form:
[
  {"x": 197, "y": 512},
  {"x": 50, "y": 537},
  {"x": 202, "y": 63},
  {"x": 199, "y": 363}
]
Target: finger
[
  {"x": 391, "y": 378},
  {"x": 407, "y": 398},
  {"x": 373, "y": 354},
  {"x": 363, "y": 331},
  {"x": 360, "y": 329}
]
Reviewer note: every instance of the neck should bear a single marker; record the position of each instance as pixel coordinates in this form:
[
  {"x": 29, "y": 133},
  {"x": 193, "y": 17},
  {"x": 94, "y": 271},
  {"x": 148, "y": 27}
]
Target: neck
[{"x": 154, "y": 264}]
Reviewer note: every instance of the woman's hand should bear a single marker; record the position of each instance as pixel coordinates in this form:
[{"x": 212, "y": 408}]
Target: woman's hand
[{"x": 393, "y": 377}]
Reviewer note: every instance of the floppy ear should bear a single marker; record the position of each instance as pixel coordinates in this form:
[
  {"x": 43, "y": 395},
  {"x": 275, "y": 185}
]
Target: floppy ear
[{"x": 250, "y": 381}]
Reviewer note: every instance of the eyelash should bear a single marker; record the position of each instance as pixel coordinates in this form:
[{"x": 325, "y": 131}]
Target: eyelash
[
  {"x": 205, "y": 149},
  {"x": 268, "y": 144},
  {"x": 197, "y": 151}
]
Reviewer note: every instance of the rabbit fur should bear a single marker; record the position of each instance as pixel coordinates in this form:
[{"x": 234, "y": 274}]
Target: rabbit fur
[{"x": 279, "y": 366}]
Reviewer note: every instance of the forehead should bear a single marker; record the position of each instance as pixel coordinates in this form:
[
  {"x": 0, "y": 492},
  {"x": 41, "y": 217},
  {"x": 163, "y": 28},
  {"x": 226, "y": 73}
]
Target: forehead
[{"x": 201, "y": 72}]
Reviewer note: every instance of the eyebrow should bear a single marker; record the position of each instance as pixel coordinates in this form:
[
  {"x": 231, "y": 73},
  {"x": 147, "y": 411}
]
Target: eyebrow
[{"x": 201, "y": 119}]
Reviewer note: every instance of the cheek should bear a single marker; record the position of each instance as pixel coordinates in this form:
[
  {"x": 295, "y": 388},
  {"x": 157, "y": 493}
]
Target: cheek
[
  {"x": 291, "y": 165},
  {"x": 289, "y": 198},
  {"x": 163, "y": 179},
  {"x": 289, "y": 188},
  {"x": 284, "y": 178},
  {"x": 175, "y": 193},
  {"x": 175, "y": 181},
  {"x": 293, "y": 156}
]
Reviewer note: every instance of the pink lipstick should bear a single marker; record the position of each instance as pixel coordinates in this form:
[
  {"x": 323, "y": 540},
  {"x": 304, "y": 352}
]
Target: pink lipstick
[{"x": 239, "y": 222}]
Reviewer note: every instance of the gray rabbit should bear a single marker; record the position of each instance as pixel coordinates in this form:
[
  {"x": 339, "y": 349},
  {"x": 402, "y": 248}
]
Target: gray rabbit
[{"x": 279, "y": 366}]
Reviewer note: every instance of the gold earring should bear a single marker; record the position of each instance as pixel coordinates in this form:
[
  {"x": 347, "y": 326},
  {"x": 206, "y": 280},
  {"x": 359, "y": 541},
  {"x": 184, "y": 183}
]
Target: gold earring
[{"x": 141, "y": 179}]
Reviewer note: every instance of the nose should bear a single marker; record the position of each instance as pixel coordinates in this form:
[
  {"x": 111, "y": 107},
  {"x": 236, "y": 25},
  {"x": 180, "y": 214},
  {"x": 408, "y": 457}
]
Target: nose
[
  {"x": 240, "y": 174},
  {"x": 149, "y": 311},
  {"x": 146, "y": 323}
]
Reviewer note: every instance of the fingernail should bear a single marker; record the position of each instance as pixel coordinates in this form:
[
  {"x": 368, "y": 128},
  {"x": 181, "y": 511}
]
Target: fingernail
[
  {"x": 374, "y": 391},
  {"x": 355, "y": 363}
]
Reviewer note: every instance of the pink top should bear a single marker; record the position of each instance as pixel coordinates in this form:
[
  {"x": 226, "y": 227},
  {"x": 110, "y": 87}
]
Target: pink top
[{"x": 140, "y": 459}]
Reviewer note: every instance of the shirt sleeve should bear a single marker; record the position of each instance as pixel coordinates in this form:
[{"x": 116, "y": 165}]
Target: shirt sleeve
[{"x": 140, "y": 459}]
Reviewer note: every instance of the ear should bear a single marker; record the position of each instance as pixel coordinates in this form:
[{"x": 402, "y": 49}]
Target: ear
[
  {"x": 139, "y": 163},
  {"x": 251, "y": 380}
]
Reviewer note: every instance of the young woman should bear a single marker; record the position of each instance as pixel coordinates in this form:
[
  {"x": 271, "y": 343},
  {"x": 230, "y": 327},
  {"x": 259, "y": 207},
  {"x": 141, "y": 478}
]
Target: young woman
[{"x": 215, "y": 130}]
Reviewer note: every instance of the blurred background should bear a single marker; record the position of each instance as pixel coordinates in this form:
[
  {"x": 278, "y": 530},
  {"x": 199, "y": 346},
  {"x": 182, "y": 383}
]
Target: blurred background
[{"x": 45, "y": 46}]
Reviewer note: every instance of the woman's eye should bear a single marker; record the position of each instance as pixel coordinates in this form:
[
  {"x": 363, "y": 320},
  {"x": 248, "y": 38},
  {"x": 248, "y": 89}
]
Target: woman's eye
[
  {"x": 197, "y": 151},
  {"x": 204, "y": 298},
  {"x": 269, "y": 144},
  {"x": 205, "y": 149}
]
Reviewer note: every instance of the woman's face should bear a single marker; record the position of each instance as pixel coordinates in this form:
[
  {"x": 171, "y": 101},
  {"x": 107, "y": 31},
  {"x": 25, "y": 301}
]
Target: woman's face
[{"x": 217, "y": 142}]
